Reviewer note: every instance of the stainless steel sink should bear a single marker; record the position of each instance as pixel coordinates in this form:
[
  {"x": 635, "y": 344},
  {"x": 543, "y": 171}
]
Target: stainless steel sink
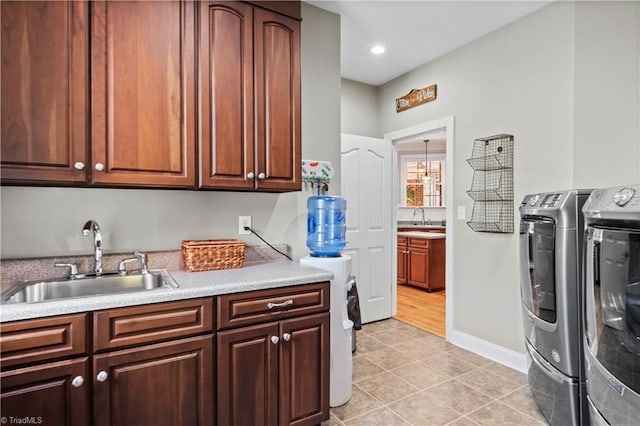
[{"x": 87, "y": 285}]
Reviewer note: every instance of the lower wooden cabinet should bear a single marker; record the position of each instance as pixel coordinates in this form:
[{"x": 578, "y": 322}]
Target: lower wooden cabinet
[
  {"x": 275, "y": 373},
  {"x": 421, "y": 262},
  {"x": 169, "y": 383},
  {"x": 55, "y": 393}
]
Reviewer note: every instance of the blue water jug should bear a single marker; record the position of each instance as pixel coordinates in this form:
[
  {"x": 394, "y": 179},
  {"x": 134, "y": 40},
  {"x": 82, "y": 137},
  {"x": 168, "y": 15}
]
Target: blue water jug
[{"x": 326, "y": 225}]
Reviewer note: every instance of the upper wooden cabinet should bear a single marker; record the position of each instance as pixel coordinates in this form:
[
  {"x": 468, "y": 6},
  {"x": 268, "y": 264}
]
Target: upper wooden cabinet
[
  {"x": 111, "y": 94},
  {"x": 44, "y": 76},
  {"x": 250, "y": 88},
  {"x": 143, "y": 93}
]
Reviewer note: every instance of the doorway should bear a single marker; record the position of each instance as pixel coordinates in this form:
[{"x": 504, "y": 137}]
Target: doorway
[{"x": 444, "y": 128}]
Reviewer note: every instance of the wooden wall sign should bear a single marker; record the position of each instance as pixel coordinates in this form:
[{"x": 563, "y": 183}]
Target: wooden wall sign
[{"x": 416, "y": 97}]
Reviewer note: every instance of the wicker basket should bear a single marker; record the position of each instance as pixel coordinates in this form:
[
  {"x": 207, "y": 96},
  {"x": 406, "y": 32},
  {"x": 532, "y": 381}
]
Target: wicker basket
[{"x": 208, "y": 255}]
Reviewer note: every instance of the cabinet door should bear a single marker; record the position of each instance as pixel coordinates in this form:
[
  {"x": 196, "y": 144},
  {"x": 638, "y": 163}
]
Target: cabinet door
[
  {"x": 304, "y": 370},
  {"x": 51, "y": 394},
  {"x": 402, "y": 264},
  {"x": 44, "y": 91},
  {"x": 277, "y": 76},
  {"x": 418, "y": 267},
  {"x": 226, "y": 84},
  {"x": 143, "y": 93},
  {"x": 169, "y": 383},
  {"x": 248, "y": 375}
]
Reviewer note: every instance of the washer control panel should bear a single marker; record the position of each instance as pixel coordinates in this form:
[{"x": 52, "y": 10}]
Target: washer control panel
[{"x": 622, "y": 197}]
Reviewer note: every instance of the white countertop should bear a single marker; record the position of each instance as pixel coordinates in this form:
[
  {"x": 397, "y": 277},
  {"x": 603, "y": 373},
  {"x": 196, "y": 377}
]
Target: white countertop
[
  {"x": 191, "y": 285},
  {"x": 422, "y": 234}
]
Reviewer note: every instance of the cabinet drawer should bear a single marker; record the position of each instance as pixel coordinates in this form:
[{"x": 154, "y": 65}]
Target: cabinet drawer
[
  {"x": 29, "y": 341},
  {"x": 419, "y": 242},
  {"x": 266, "y": 305},
  {"x": 143, "y": 324},
  {"x": 402, "y": 241}
]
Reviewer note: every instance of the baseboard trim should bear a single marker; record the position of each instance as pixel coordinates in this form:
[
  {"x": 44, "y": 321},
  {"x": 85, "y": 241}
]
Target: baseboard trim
[{"x": 512, "y": 359}]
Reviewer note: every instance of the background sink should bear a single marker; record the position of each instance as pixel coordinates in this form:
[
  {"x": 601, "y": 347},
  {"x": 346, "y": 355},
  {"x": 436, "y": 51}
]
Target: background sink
[{"x": 88, "y": 286}]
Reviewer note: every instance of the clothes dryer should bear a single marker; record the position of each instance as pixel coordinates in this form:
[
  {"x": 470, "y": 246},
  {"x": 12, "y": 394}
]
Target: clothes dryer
[
  {"x": 612, "y": 305},
  {"x": 551, "y": 233}
]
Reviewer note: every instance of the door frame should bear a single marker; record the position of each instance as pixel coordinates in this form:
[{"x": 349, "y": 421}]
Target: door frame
[{"x": 447, "y": 124}]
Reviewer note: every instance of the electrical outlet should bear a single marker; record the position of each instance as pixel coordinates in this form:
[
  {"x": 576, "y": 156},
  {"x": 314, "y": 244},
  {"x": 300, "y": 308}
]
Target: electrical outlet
[{"x": 242, "y": 222}]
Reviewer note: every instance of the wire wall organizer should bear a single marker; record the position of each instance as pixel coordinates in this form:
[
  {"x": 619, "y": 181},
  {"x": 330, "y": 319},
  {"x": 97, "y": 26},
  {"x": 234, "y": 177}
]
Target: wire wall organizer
[{"x": 492, "y": 185}]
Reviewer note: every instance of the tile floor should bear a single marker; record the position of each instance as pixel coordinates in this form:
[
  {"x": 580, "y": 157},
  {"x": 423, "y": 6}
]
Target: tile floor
[{"x": 405, "y": 376}]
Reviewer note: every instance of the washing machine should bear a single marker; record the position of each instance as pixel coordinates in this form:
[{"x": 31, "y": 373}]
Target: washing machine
[
  {"x": 612, "y": 305},
  {"x": 551, "y": 235},
  {"x": 341, "y": 358}
]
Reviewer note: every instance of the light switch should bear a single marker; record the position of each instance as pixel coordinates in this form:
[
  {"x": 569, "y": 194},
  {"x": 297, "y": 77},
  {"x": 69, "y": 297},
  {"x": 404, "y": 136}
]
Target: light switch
[{"x": 462, "y": 213}]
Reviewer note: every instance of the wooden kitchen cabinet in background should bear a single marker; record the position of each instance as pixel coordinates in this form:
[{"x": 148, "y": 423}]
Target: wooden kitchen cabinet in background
[
  {"x": 44, "y": 78},
  {"x": 250, "y": 85},
  {"x": 421, "y": 262}
]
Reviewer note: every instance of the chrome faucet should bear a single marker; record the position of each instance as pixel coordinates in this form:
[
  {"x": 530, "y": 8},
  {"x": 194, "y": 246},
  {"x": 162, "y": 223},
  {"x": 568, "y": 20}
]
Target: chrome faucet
[
  {"x": 92, "y": 226},
  {"x": 413, "y": 216}
]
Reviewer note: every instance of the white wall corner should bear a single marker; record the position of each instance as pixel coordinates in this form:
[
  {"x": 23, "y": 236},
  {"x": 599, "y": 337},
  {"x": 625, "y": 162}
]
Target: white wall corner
[{"x": 510, "y": 358}]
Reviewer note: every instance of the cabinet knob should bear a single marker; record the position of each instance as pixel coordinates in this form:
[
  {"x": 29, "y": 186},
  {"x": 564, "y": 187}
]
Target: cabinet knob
[
  {"x": 286, "y": 337},
  {"x": 261, "y": 176},
  {"x": 250, "y": 175},
  {"x": 79, "y": 165},
  {"x": 99, "y": 167},
  {"x": 275, "y": 340},
  {"x": 102, "y": 376},
  {"x": 77, "y": 381}
]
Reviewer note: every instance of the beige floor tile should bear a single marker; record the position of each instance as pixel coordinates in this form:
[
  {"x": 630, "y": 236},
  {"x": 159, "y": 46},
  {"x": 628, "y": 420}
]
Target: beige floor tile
[
  {"x": 489, "y": 383},
  {"x": 359, "y": 404},
  {"x": 458, "y": 396},
  {"x": 394, "y": 337},
  {"x": 363, "y": 369},
  {"x": 448, "y": 364},
  {"x": 419, "y": 375},
  {"x": 379, "y": 326},
  {"x": 380, "y": 417},
  {"x": 497, "y": 413},
  {"x": 387, "y": 387},
  {"x": 506, "y": 372},
  {"x": 421, "y": 410},
  {"x": 419, "y": 348},
  {"x": 366, "y": 343},
  {"x": 462, "y": 421},
  {"x": 470, "y": 357},
  {"x": 522, "y": 400},
  {"x": 389, "y": 358}
]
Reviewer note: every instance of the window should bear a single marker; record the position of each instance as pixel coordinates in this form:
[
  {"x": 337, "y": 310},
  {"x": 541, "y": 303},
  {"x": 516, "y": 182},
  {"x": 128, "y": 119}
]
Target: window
[{"x": 417, "y": 190}]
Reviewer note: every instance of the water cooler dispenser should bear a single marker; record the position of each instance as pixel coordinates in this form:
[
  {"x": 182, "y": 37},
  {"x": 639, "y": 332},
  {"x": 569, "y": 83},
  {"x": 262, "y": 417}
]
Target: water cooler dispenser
[{"x": 326, "y": 229}]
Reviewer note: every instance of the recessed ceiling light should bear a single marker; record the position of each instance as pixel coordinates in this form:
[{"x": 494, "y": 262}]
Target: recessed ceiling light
[{"x": 378, "y": 49}]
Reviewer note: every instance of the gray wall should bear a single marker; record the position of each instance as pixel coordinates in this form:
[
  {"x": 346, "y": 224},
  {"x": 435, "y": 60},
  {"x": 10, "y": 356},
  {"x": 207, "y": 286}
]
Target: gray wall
[
  {"x": 359, "y": 108},
  {"x": 47, "y": 221},
  {"x": 535, "y": 79}
]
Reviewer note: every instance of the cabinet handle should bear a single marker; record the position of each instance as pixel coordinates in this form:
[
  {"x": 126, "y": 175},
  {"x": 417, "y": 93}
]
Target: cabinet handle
[
  {"x": 271, "y": 305},
  {"x": 274, "y": 340},
  {"x": 79, "y": 165},
  {"x": 77, "y": 381},
  {"x": 261, "y": 176},
  {"x": 102, "y": 376},
  {"x": 286, "y": 337},
  {"x": 250, "y": 175},
  {"x": 99, "y": 167}
]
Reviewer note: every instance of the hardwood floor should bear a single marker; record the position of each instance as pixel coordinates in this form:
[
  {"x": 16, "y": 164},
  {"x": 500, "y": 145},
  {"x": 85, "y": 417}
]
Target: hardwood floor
[{"x": 421, "y": 309}]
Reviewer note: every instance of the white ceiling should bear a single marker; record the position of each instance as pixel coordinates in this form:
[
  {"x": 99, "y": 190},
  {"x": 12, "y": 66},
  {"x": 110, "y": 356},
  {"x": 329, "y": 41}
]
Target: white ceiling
[{"x": 413, "y": 32}]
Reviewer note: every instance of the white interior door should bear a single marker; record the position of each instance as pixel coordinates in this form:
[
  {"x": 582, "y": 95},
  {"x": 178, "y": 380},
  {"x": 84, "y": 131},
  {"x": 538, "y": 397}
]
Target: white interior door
[{"x": 366, "y": 184}]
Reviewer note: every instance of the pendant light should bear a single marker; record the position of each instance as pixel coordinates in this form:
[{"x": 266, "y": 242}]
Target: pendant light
[{"x": 426, "y": 178}]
